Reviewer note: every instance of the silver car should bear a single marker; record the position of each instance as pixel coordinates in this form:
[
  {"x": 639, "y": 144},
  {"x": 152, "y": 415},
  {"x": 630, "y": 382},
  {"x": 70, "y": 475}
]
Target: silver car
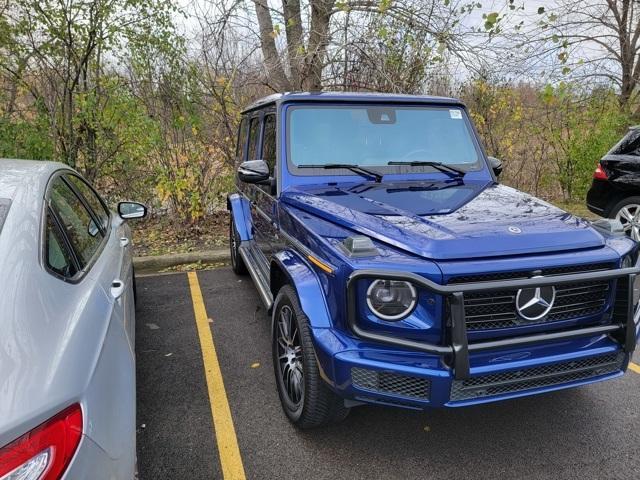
[{"x": 67, "y": 362}]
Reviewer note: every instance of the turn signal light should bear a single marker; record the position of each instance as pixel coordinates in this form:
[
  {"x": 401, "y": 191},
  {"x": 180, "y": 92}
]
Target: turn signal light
[
  {"x": 600, "y": 174},
  {"x": 43, "y": 453}
]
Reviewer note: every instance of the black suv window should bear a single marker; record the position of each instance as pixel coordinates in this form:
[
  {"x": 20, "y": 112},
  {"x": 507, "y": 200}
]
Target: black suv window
[
  {"x": 59, "y": 257},
  {"x": 269, "y": 141},
  {"x": 629, "y": 145},
  {"x": 92, "y": 198},
  {"x": 78, "y": 224},
  {"x": 254, "y": 131},
  {"x": 242, "y": 141}
]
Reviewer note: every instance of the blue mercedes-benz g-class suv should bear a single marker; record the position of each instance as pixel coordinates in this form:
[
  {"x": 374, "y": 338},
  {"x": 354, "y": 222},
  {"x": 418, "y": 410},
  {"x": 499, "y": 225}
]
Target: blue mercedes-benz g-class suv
[{"x": 398, "y": 271}]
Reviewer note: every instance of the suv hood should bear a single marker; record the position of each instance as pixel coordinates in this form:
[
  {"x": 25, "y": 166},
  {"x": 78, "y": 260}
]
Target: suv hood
[{"x": 448, "y": 220}]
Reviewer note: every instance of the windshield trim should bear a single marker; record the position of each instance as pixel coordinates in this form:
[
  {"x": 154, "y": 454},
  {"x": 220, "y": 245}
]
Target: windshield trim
[{"x": 295, "y": 170}]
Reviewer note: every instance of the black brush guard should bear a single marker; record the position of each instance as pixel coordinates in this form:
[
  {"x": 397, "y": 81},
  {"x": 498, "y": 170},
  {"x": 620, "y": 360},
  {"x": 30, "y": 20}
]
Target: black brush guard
[{"x": 458, "y": 348}]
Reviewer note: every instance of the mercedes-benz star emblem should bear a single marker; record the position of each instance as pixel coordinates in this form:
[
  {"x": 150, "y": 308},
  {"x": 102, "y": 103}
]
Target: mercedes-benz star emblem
[
  {"x": 513, "y": 229},
  {"x": 534, "y": 303}
]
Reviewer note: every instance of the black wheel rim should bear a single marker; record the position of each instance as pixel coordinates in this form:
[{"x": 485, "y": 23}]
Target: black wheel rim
[
  {"x": 232, "y": 242},
  {"x": 289, "y": 356}
]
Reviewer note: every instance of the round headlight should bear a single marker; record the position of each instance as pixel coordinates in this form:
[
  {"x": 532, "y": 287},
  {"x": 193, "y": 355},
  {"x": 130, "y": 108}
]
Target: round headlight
[{"x": 391, "y": 299}]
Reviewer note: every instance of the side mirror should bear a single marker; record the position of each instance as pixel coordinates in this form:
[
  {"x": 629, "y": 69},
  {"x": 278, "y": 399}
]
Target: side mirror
[
  {"x": 496, "y": 165},
  {"x": 254, "y": 171},
  {"x": 131, "y": 210}
]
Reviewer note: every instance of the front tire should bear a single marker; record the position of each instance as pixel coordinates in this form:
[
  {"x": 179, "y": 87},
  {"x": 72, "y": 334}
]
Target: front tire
[
  {"x": 627, "y": 211},
  {"x": 306, "y": 399},
  {"x": 237, "y": 264}
]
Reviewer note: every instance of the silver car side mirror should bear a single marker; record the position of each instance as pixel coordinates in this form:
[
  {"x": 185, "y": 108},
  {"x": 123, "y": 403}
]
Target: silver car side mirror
[{"x": 131, "y": 210}]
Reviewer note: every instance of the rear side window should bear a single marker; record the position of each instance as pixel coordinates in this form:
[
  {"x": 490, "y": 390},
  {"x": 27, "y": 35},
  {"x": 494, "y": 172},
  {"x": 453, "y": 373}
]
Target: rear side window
[
  {"x": 629, "y": 145},
  {"x": 92, "y": 199},
  {"x": 59, "y": 257},
  {"x": 269, "y": 142},
  {"x": 254, "y": 131},
  {"x": 5, "y": 203},
  {"x": 242, "y": 141},
  {"x": 78, "y": 225}
]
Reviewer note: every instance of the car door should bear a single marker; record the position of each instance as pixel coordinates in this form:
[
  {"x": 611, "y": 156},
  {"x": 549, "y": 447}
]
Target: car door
[
  {"x": 265, "y": 199},
  {"x": 259, "y": 219},
  {"x": 118, "y": 251},
  {"x": 94, "y": 242}
]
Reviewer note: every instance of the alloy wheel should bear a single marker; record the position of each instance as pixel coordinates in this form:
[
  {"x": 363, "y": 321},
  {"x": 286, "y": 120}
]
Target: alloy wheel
[
  {"x": 629, "y": 217},
  {"x": 290, "y": 360}
]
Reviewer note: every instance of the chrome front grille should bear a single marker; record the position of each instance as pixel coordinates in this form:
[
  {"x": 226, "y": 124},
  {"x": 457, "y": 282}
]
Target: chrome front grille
[
  {"x": 391, "y": 383},
  {"x": 494, "y": 310},
  {"x": 535, "y": 377}
]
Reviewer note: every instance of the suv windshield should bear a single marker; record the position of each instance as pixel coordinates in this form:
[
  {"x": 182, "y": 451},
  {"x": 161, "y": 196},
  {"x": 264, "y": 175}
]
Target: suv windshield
[{"x": 374, "y": 136}]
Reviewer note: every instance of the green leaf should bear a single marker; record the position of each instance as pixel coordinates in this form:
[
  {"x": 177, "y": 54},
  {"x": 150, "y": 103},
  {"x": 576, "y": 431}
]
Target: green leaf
[{"x": 490, "y": 20}]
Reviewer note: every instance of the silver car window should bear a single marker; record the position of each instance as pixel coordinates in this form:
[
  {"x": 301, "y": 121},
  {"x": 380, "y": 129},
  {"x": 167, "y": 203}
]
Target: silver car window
[
  {"x": 80, "y": 228},
  {"x": 59, "y": 258},
  {"x": 5, "y": 203},
  {"x": 92, "y": 199}
]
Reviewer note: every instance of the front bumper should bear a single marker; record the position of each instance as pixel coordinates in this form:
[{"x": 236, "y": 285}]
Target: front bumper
[{"x": 379, "y": 368}]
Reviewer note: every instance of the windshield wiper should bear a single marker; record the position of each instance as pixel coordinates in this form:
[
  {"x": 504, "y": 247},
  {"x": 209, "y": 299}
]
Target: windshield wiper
[
  {"x": 363, "y": 172},
  {"x": 437, "y": 165}
]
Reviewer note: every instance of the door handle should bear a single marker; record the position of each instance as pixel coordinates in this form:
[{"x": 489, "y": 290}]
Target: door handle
[
  {"x": 117, "y": 288},
  {"x": 124, "y": 241}
]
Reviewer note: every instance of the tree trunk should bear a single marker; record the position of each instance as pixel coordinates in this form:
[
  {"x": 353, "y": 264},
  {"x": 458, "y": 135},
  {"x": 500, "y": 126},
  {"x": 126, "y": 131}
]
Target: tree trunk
[
  {"x": 318, "y": 41},
  {"x": 277, "y": 78},
  {"x": 295, "y": 45}
]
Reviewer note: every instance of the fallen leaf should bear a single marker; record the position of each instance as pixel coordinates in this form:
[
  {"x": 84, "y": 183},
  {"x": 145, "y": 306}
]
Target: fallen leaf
[
  {"x": 427, "y": 428},
  {"x": 168, "y": 354},
  {"x": 255, "y": 365},
  {"x": 152, "y": 326}
]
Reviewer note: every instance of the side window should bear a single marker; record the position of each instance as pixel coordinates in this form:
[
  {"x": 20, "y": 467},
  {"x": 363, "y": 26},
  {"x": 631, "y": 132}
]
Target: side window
[
  {"x": 629, "y": 145},
  {"x": 92, "y": 199},
  {"x": 81, "y": 230},
  {"x": 269, "y": 142},
  {"x": 242, "y": 141},
  {"x": 254, "y": 131},
  {"x": 58, "y": 256}
]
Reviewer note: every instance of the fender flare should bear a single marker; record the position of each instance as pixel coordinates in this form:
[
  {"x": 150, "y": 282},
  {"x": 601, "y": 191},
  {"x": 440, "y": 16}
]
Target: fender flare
[
  {"x": 306, "y": 283},
  {"x": 240, "y": 210}
]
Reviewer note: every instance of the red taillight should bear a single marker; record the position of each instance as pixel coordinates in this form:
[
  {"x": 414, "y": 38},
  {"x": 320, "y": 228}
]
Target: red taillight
[
  {"x": 45, "y": 452},
  {"x": 600, "y": 174}
]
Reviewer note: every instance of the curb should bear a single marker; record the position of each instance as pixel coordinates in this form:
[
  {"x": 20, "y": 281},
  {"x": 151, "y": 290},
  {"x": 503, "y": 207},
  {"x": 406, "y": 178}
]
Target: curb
[{"x": 158, "y": 262}]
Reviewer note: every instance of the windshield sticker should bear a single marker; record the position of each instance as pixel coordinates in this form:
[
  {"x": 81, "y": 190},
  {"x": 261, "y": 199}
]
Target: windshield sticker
[{"x": 455, "y": 114}]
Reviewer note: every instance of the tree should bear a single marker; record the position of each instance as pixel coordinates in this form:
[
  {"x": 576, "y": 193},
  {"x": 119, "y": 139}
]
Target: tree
[
  {"x": 592, "y": 41},
  {"x": 418, "y": 24},
  {"x": 61, "y": 53}
]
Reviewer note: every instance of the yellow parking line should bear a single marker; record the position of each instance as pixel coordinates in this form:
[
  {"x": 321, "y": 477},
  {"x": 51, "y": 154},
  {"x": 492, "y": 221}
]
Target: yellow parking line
[
  {"x": 634, "y": 367},
  {"x": 230, "y": 459}
]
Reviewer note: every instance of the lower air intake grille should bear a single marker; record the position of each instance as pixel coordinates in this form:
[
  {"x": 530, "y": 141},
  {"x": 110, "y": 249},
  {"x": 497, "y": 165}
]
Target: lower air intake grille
[
  {"x": 535, "y": 377},
  {"x": 391, "y": 383}
]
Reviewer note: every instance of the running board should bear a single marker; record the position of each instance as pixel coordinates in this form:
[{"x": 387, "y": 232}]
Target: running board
[{"x": 248, "y": 254}]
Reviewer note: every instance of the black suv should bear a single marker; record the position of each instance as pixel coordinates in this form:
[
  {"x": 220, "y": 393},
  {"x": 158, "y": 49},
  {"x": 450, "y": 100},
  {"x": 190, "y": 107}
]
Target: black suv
[{"x": 615, "y": 191}]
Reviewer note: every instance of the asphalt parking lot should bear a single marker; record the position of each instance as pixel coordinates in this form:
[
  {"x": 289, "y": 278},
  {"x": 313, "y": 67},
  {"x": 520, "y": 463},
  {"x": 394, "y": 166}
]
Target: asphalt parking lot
[{"x": 584, "y": 433}]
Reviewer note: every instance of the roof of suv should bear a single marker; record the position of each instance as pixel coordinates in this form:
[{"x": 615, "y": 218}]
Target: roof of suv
[{"x": 352, "y": 97}]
